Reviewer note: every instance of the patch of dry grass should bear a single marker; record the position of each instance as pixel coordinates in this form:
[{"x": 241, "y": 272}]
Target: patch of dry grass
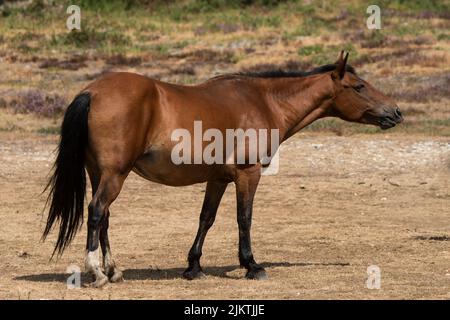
[{"x": 191, "y": 41}]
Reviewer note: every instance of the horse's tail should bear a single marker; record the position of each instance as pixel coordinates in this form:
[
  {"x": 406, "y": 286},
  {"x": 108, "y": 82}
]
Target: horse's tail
[{"x": 68, "y": 181}]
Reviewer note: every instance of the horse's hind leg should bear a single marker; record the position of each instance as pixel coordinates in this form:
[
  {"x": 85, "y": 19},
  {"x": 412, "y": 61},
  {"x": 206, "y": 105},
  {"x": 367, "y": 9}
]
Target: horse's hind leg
[
  {"x": 109, "y": 186},
  {"x": 113, "y": 273},
  {"x": 213, "y": 195}
]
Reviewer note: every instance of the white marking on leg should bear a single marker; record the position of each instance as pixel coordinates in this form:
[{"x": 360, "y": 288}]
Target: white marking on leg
[{"x": 92, "y": 261}]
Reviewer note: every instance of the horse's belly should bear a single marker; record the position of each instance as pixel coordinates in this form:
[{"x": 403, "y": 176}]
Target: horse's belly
[{"x": 158, "y": 167}]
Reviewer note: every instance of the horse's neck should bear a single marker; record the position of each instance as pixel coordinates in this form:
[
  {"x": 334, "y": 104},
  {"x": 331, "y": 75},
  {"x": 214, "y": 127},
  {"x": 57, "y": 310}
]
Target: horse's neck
[{"x": 297, "y": 102}]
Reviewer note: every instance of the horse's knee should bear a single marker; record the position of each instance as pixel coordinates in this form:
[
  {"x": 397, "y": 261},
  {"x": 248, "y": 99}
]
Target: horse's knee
[
  {"x": 207, "y": 221},
  {"x": 245, "y": 224}
]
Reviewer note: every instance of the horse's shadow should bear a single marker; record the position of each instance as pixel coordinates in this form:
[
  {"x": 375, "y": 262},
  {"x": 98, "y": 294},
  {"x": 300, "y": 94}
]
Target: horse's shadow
[{"x": 171, "y": 273}]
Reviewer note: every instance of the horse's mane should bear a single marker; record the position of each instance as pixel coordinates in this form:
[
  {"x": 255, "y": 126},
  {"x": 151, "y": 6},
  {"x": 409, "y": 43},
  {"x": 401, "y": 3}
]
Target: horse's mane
[{"x": 279, "y": 73}]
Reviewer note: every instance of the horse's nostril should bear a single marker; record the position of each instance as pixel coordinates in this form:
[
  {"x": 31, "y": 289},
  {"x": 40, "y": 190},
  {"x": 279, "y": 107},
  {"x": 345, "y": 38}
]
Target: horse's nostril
[{"x": 398, "y": 112}]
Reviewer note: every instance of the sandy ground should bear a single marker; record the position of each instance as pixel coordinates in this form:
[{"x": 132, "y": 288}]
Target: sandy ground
[{"x": 337, "y": 206}]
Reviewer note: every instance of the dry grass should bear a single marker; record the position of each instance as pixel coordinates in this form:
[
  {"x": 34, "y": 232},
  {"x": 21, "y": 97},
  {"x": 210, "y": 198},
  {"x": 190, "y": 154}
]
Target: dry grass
[
  {"x": 317, "y": 226},
  {"x": 188, "y": 42}
]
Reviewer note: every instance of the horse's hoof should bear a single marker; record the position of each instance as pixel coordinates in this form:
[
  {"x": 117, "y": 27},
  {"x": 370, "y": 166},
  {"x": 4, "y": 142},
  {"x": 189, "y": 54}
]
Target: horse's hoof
[
  {"x": 192, "y": 274},
  {"x": 117, "y": 276},
  {"x": 257, "y": 275},
  {"x": 100, "y": 282}
]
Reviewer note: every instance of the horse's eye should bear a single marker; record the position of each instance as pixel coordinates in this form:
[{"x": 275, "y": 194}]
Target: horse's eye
[{"x": 358, "y": 87}]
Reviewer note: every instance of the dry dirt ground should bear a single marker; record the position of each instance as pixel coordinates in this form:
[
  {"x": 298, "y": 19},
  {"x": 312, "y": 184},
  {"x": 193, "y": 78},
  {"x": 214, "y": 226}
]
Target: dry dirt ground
[{"x": 337, "y": 206}]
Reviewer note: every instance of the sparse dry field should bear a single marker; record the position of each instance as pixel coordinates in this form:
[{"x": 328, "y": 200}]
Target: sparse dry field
[
  {"x": 338, "y": 205},
  {"x": 347, "y": 195}
]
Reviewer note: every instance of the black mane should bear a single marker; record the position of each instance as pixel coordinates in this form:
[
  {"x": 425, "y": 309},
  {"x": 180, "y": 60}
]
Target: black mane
[{"x": 293, "y": 74}]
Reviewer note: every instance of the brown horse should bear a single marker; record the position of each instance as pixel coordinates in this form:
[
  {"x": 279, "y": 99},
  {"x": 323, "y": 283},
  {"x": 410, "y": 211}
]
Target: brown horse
[{"x": 124, "y": 122}]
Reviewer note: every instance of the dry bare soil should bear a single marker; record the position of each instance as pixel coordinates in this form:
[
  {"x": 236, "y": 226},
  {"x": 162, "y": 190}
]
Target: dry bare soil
[{"x": 337, "y": 206}]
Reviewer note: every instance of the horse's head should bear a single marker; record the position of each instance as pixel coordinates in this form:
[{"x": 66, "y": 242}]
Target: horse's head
[{"x": 357, "y": 100}]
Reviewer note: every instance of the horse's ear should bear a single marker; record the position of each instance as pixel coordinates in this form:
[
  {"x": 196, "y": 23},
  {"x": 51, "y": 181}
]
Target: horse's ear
[{"x": 341, "y": 63}]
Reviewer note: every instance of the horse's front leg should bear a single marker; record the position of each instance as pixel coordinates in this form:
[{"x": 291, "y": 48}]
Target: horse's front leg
[
  {"x": 246, "y": 183},
  {"x": 213, "y": 195}
]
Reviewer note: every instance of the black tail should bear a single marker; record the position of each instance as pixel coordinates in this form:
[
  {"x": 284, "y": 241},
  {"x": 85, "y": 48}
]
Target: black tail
[{"x": 68, "y": 181}]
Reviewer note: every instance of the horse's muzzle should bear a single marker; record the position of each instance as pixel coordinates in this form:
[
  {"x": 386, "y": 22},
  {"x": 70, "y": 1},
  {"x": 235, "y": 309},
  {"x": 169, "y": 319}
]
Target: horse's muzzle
[{"x": 390, "y": 118}]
